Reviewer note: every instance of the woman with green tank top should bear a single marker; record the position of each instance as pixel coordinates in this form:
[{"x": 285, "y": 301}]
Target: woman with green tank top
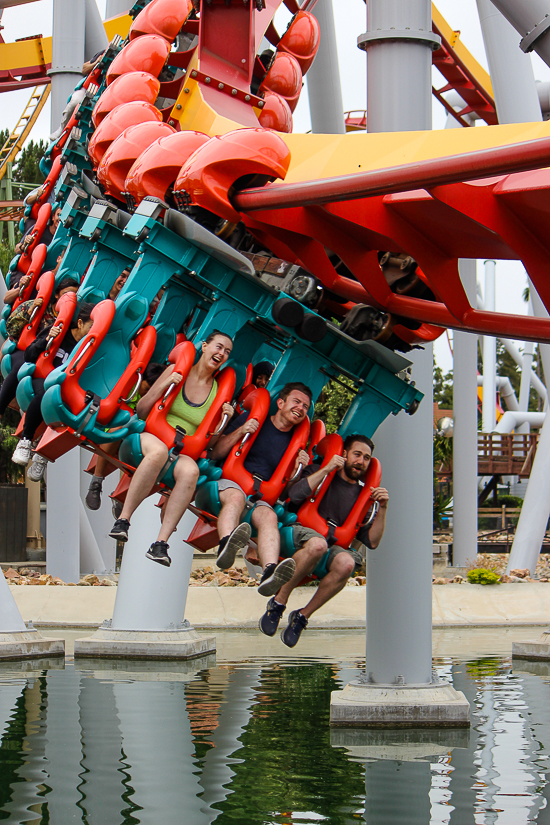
[{"x": 187, "y": 411}]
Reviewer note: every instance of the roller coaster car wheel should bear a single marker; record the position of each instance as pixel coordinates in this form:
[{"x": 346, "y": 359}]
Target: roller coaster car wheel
[
  {"x": 306, "y": 289},
  {"x": 413, "y": 406},
  {"x": 287, "y": 312},
  {"x": 313, "y": 328}
]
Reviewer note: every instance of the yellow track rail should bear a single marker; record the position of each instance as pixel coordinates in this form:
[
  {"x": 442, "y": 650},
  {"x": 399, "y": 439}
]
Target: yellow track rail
[{"x": 20, "y": 133}]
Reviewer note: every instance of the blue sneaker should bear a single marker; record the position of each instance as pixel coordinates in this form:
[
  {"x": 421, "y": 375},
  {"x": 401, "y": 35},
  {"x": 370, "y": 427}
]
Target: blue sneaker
[{"x": 290, "y": 636}]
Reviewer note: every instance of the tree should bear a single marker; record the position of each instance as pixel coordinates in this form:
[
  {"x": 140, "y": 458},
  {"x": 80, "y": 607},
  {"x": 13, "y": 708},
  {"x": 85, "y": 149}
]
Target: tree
[
  {"x": 443, "y": 388},
  {"x": 334, "y": 401},
  {"x": 27, "y": 166}
]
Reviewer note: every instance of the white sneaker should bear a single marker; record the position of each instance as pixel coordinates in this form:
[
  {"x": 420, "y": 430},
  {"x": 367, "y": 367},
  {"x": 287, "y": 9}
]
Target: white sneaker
[
  {"x": 22, "y": 453},
  {"x": 36, "y": 470}
]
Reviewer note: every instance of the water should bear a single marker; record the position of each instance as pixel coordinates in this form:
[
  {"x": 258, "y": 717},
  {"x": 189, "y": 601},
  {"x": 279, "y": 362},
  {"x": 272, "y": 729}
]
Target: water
[{"x": 244, "y": 738}]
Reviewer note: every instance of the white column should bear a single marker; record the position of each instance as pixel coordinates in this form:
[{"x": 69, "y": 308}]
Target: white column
[
  {"x": 115, "y": 7},
  {"x": 69, "y": 20},
  {"x": 465, "y": 432},
  {"x": 95, "y": 34},
  {"x": 489, "y": 354},
  {"x": 101, "y": 520},
  {"x": 10, "y": 617},
  {"x": 149, "y": 595},
  {"x": 323, "y": 78},
  {"x": 63, "y": 517}
]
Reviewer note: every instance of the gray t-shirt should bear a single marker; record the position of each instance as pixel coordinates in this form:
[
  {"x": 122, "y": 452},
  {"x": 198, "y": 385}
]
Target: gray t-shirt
[{"x": 337, "y": 502}]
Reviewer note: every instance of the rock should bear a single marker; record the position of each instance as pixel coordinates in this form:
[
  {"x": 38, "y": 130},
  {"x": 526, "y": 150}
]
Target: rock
[
  {"x": 439, "y": 580},
  {"x": 91, "y": 578},
  {"x": 521, "y": 574},
  {"x": 70, "y": 584},
  {"x": 107, "y": 583},
  {"x": 84, "y": 583},
  {"x": 46, "y": 578},
  {"x": 10, "y": 573},
  {"x": 510, "y": 579},
  {"x": 362, "y": 580},
  {"x": 457, "y": 580}
]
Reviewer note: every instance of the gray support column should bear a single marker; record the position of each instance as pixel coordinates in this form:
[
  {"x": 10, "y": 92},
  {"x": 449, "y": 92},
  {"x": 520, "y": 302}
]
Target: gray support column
[
  {"x": 531, "y": 20},
  {"x": 489, "y": 354},
  {"x": 115, "y": 7},
  {"x": 465, "y": 432},
  {"x": 95, "y": 35},
  {"x": 323, "y": 79},
  {"x": 63, "y": 522},
  {"x": 399, "y": 43},
  {"x": 515, "y": 95},
  {"x": 514, "y": 87},
  {"x": 69, "y": 20}
]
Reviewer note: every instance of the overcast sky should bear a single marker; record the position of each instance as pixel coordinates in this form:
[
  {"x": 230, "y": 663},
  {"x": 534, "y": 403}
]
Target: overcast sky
[{"x": 36, "y": 18}]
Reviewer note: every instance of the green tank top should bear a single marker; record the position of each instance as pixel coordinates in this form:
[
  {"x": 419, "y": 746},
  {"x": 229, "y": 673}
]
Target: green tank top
[{"x": 186, "y": 415}]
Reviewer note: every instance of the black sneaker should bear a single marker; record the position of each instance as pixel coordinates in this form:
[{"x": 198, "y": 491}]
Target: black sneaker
[
  {"x": 157, "y": 552},
  {"x": 120, "y": 529},
  {"x": 231, "y": 544},
  {"x": 93, "y": 496},
  {"x": 290, "y": 636},
  {"x": 269, "y": 622},
  {"x": 275, "y": 575}
]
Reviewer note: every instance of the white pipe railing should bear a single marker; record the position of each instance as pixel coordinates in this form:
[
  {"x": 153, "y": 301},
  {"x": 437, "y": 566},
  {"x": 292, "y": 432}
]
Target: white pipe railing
[{"x": 512, "y": 419}]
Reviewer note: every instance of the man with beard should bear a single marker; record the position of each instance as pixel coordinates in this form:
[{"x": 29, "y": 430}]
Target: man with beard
[{"x": 341, "y": 562}]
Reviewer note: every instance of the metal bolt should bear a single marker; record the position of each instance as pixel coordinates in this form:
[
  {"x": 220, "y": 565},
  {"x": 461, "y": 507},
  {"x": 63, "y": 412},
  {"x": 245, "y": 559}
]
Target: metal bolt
[
  {"x": 243, "y": 60},
  {"x": 221, "y": 85},
  {"x": 186, "y": 91},
  {"x": 247, "y": 98},
  {"x": 178, "y": 105},
  {"x": 207, "y": 79},
  {"x": 261, "y": 104},
  {"x": 234, "y": 91},
  {"x": 193, "y": 73},
  {"x": 171, "y": 123}
]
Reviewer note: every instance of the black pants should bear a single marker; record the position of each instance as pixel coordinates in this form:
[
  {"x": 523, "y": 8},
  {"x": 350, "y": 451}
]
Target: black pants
[
  {"x": 9, "y": 386},
  {"x": 33, "y": 416}
]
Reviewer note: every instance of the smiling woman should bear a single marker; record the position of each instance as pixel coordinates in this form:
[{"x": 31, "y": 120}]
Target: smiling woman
[{"x": 189, "y": 408}]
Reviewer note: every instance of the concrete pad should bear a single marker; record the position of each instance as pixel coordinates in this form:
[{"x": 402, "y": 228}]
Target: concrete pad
[
  {"x": 29, "y": 644},
  {"x": 387, "y": 706},
  {"x": 539, "y": 649},
  {"x": 454, "y": 605},
  {"x": 145, "y": 644}
]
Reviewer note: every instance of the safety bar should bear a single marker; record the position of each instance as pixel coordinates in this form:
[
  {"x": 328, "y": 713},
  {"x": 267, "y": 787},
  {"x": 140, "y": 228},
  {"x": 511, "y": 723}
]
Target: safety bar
[
  {"x": 243, "y": 442},
  {"x": 81, "y": 354},
  {"x": 297, "y": 473},
  {"x": 51, "y": 338},
  {"x": 135, "y": 390},
  {"x": 374, "y": 512}
]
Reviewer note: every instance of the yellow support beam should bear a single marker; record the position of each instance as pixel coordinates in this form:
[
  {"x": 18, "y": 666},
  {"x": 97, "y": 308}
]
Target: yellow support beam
[{"x": 20, "y": 133}]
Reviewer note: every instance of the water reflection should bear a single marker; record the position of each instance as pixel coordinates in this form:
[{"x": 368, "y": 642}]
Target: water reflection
[{"x": 248, "y": 741}]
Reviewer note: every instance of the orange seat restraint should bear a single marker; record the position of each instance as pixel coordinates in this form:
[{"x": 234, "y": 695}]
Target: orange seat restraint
[
  {"x": 65, "y": 310},
  {"x": 129, "y": 382},
  {"x": 259, "y": 402},
  {"x": 308, "y": 514},
  {"x": 35, "y": 233},
  {"x": 156, "y": 423},
  {"x": 29, "y": 332},
  {"x": 38, "y": 259},
  {"x": 72, "y": 393},
  {"x": 316, "y": 434}
]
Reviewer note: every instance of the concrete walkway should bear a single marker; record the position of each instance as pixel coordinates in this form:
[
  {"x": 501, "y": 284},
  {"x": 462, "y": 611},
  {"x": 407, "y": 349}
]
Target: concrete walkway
[{"x": 454, "y": 605}]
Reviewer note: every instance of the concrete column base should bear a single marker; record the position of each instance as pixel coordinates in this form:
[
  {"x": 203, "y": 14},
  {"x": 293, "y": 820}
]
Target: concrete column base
[
  {"x": 29, "y": 644},
  {"x": 366, "y": 705},
  {"x": 533, "y": 650},
  {"x": 182, "y": 642}
]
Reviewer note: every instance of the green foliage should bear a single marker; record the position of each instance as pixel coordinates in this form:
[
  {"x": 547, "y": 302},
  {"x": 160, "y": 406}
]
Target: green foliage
[
  {"x": 27, "y": 166},
  {"x": 443, "y": 388},
  {"x": 6, "y": 254},
  {"x": 481, "y": 575},
  {"x": 334, "y": 401},
  {"x": 10, "y": 473},
  {"x": 504, "y": 499}
]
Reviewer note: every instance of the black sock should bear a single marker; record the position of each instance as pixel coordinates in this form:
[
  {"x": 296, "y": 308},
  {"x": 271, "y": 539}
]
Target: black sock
[
  {"x": 268, "y": 570},
  {"x": 222, "y": 544}
]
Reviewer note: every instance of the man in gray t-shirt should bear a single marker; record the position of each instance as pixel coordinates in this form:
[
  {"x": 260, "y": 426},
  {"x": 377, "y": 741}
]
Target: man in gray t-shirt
[{"x": 311, "y": 546}]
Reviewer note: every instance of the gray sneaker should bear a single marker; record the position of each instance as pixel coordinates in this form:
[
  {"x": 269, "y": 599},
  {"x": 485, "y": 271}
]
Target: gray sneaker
[
  {"x": 37, "y": 468},
  {"x": 275, "y": 575},
  {"x": 231, "y": 544},
  {"x": 93, "y": 496}
]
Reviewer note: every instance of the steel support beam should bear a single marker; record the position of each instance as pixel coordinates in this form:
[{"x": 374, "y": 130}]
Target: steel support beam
[
  {"x": 69, "y": 21},
  {"x": 530, "y": 18},
  {"x": 323, "y": 79}
]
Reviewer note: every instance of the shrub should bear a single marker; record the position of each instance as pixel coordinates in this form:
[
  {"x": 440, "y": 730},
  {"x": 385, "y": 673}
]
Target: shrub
[{"x": 480, "y": 575}]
